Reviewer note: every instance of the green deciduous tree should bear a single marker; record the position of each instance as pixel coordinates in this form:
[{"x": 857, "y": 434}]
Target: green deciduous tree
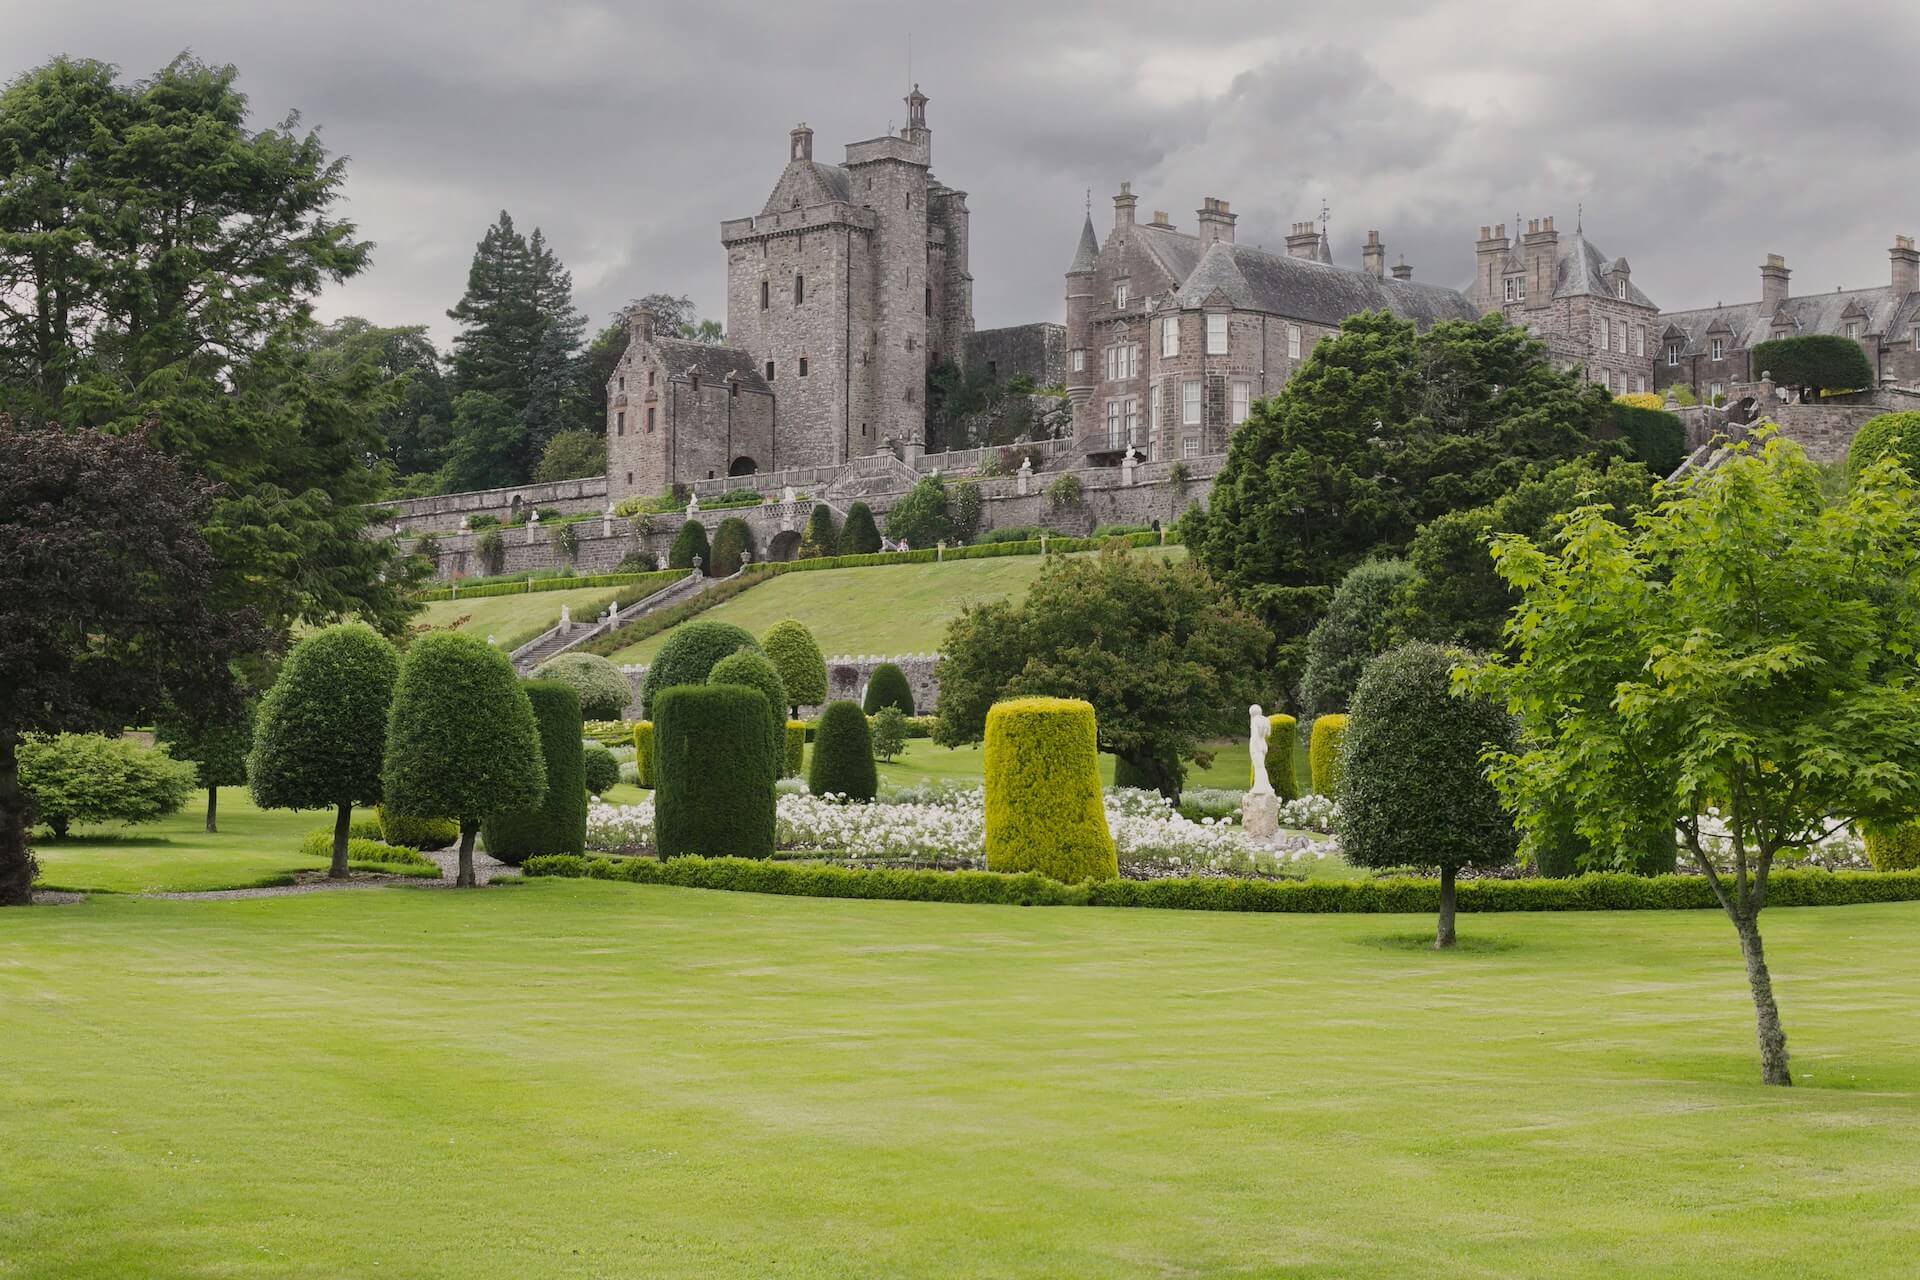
[
  {"x": 1166, "y": 659},
  {"x": 795, "y": 654},
  {"x": 216, "y": 745},
  {"x": 921, "y": 517},
  {"x": 317, "y": 735},
  {"x": 1747, "y": 648},
  {"x": 462, "y": 742},
  {"x": 86, "y": 777},
  {"x": 416, "y": 421},
  {"x": 1887, "y": 434},
  {"x": 572, "y": 455},
  {"x": 889, "y": 733}
]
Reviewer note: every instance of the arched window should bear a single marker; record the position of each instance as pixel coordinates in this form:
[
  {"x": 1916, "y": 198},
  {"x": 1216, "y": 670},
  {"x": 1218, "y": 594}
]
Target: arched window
[{"x": 799, "y": 289}]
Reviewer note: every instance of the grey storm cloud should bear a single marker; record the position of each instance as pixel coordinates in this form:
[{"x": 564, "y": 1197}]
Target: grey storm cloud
[{"x": 1696, "y": 139}]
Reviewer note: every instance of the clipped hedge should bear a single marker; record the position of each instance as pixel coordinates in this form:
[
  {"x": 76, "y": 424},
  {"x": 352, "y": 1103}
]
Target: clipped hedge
[
  {"x": 796, "y": 749},
  {"x": 732, "y": 547},
  {"x": 977, "y": 551},
  {"x": 715, "y": 772},
  {"x": 690, "y": 543},
  {"x": 653, "y": 581},
  {"x": 1659, "y": 438},
  {"x": 888, "y": 687},
  {"x": 416, "y": 833},
  {"x": 688, "y": 657},
  {"x": 367, "y": 854},
  {"x": 1594, "y": 892},
  {"x": 750, "y": 669},
  {"x": 643, "y": 752},
  {"x": 1824, "y": 360},
  {"x": 843, "y": 754},
  {"x": 796, "y": 655},
  {"x": 1044, "y": 810},
  {"x": 559, "y": 823},
  {"x": 1895, "y": 848},
  {"x": 1897, "y": 434},
  {"x": 603, "y": 689},
  {"x": 1323, "y": 754}
]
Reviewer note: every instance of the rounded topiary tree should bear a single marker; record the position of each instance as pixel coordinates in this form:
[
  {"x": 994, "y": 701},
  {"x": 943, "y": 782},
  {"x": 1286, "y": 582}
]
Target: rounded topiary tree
[
  {"x": 316, "y": 742},
  {"x": 1414, "y": 792},
  {"x": 843, "y": 754},
  {"x": 1323, "y": 755},
  {"x": 417, "y": 833},
  {"x": 557, "y": 822},
  {"x": 688, "y": 656},
  {"x": 1890, "y": 434},
  {"x": 795, "y": 654},
  {"x": 1892, "y": 848},
  {"x": 691, "y": 541},
  {"x": 888, "y": 688},
  {"x": 1826, "y": 361},
  {"x": 643, "y": 752},
  {"x": 1286, "y": 784},
  {"x": 732, "y": 544},
  {"x": 604, "y": 691},
  {"x": 462, "y": 741},
  {"x": 821, "y": 539},
  {"x": 88, "y": 777},
  {"x": 602, "y": 768},
  {"x": 860, "y": 535},
  {"x": 1044, "y": 809},
  {"x": 715, "y": 794},
  {"x": 750, "y": 668}
]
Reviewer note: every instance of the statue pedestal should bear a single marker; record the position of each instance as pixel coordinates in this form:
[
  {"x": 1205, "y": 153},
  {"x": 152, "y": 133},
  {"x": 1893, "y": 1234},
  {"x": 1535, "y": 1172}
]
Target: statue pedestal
[{"x": 1260, "y": 814}]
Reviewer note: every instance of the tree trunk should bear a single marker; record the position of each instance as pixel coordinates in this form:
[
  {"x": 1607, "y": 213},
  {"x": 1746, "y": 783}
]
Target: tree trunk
[
  {"x": 468, "y": 830},
  {"x": 1443, "y": 936},
  {"x": 16, "y": 860},
  {"x": 1772, "y": 1036},
  {"x": 338, "y": 871},
  {"x": 213, "y": 806}
]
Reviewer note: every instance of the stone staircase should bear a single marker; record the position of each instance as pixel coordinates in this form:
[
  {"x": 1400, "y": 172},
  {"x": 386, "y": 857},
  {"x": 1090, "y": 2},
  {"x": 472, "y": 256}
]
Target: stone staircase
[
  {"x": 568, "y": 634},
  {"x": 868, "y": 475}
]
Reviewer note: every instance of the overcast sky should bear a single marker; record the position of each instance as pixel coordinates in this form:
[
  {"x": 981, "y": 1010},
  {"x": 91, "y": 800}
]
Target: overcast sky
[{"x": 1698, "y": 137}]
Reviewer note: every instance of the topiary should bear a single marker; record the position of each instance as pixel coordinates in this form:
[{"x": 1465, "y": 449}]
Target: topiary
[
  {"x": 1824, "y": 360},
  {"x": 604, "y": 691},
  {"x": 843, "y": 754},
  {"x": 690, "y": 542},
  {"x": 821, "y": 539},
  {"x": 1323, "y": 755},
  {"x": 715, "y": 794},
  {"x": 1357, "y": 625},
  {"x": 732, "y": 544},
  {"x": 1280, "y": 757},
  {"x": 643, "y": 752},
  {"x": 889, "y": 733},
  {"x": 462, "y": 741},
  {"x": 312, "y": 739},
  {"x": 796, "y": 749},
  {"x": 1892, "y": 848},
  {"x": 888, "y": 688},
  {"x": 795, "y": 654},
  {"x": 1044, "y": 809},
  {"x": 602, "y": 769},
  {"x": 860, "y": 536},
  {"x": 87, "y": 777},
  {"x": 1889, "y": 434},
  {"x": 688, "y": 656},
  {"x": 749, "y": 667},
  {"x": 416, "y": 833},
  {"x": 1415, "y": 791},
  {"x": 558, "y": 823}
]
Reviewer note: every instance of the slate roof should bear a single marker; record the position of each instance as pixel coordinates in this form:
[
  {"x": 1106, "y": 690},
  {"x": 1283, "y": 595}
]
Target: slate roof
[
  {"x": 1176, "y": 252},
  {"x": 1880, "y": 310},
  {"x": 1087, "y": 256},
  {"x": 810, "y": 182},
  {"x": 1303, "y": 288},
  {"x": 1580, "y": 269},
  {"x": 713, "y": 363}
]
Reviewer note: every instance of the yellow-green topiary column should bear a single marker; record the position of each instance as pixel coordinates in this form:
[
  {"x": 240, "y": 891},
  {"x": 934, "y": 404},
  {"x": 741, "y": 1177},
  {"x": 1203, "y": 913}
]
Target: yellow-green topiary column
[
  {"x": 1891, "y": 848},
  {"x": 1044, "y": 811},
  {"x": 1286, "y": 784},
  {"x": 643, "y": 752},
  {"x": 1323, "y": 754}
]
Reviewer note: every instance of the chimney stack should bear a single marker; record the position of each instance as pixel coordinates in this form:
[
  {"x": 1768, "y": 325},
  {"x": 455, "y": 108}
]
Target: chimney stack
[
  {"x": 801, "y": 142},
  {"x": 1216, "y": 222},
  {"x": 1401, "y": 271},
  {"x": 1303, "y": 240},
  {"x": 1160, "y": 220},
  {"x": 1906, "y": 265},
  {"x": 1373, "y": 256},
  {"x": 1540, "y": 247},
  {"x": 1123, "y": 205},
  {"x": 1773, "y": 281}
]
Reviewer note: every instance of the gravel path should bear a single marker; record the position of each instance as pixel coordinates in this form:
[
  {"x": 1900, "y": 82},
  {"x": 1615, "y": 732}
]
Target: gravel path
[{"x": 485, "y": 868}]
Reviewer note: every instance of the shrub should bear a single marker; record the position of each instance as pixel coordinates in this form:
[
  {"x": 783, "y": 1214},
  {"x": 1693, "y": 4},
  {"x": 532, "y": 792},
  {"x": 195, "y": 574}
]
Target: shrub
[
  {"x": 1323, "y": 755},
  {"x": 843, "y": 754},
  {"x": 1659, "y": 439},
  {"x": 921, "y": 517},
  {"x": 750, "y": 668},
  {"x": 795, "y": 654},
  {"x": 603, "y": 689},
  {"x": 1012, "y": 533},
  {"x": 1119, "y": 530},
  {"x": 688, "y": 657},
  {"x": 888, "y": 688},
  {"x": 1358, "y": 624},
  {"x": 638, "y": 560},
  {"x": 602, "y": 769},
  {"x": 1640, "y": 400},
  {"x": 643, "y": 752},
  {"x": 1064, "y": 492},
  {"x": 690, "y": 542},
  {"x": 1415, "y": 792},
  {"x": 366, "y": 852},
  {"x": 821, "y": 538},
  {"x": 860, "y": 536},
  {"x": 571, "y": 455},
  {"x": 483, "y": 522},
  {"x": 1280, "y": 757},
  {"x": 565, "y": 539},
  {"x": 796, "y": 749},
  {"x": 217, "y": 749},
  {"x": 557, "y": 821},
  {"x": 1824, "y": 360},
  {"x": 490, "y": 549},
  {"x": 964, "y": 508},
  {"x": 462, "y": 741},
  {"x": 1895, "y": 434},
  {"x": 1683, "y": 395},
  {"x": 1043, "y": 805},
  {"x": 414, "y": 833},
  {"x": 85, "y": 777},
  {"x": 315, "y": 741},
  {"x": 1892, "y": 848},
  {"x": 732, "y": 545},
  {"x": 889, "y": 733},
  {"x": 715, "y": 776}
]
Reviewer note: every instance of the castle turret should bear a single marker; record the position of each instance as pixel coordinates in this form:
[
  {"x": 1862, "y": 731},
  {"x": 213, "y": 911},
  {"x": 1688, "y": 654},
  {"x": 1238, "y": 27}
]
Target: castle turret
[{"x": 1086, "y": 258}]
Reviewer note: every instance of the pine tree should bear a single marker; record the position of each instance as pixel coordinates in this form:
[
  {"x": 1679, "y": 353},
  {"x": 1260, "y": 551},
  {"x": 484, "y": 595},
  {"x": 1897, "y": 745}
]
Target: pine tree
[{"x": 498, "y": 321}]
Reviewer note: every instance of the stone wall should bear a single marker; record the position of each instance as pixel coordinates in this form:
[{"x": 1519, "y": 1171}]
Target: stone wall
[
  {"x": 847, "y": 678},
  {"x": 445, "y": 512},
  {"x": 1037, "y": 350}
]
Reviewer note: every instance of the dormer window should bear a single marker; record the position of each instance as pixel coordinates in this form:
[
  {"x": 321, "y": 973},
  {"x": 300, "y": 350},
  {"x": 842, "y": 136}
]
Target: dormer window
[
  {"x": 1120, "y": 295},
  {"x": 1673, "y": 354},
  {"x": 1619, "y": 288},
  {"x": 1516, "y": 288},
  {"x": 1719, "y": 349}
]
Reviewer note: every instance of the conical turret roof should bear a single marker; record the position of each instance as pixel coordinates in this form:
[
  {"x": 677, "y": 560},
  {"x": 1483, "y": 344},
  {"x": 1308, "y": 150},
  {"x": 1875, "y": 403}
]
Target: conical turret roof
[{"x": 1087, "y": 256}]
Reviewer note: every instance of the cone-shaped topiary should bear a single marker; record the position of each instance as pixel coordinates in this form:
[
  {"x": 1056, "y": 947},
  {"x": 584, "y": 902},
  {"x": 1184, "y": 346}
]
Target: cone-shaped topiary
[
  {"x": 843, "y": 754},
  {"x": 602, "y": 769},
  {"x": 688, "y": 656},
  {"x": 750, "y": 668},
  {"x": 732, "y": 544},
  {"x": 604, "y": 691},
  {"x": 860, "y": 536},
  {"x": 889, "y": 688},
  {"x": 715, "y": 795},
  {"x": 691, "y": 541},
  {"x": 795, "y": 654},
  {"x": 822, "y": 539},
  {"x": 461, "y": 738},
  {"x": 1280, "y": 758},
  {"x": 643, "y": 752},
  {"x": 558, "y": 823},
  {"x": 796, "y": 756},
  {"x": 416, "y": 833},
  {"x": 1044, "y": 811},
  {"x": 1323, "y": 755},
  {"x": 315, "y": 742}
]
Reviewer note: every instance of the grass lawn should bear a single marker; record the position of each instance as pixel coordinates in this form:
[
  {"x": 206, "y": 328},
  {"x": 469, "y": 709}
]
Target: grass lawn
[
  {"x": 513, "y": 620},
  {"x": 884, "y": 609},
  {"x": 175, "y": 854},
  {"x": 585, "y": 1079}
]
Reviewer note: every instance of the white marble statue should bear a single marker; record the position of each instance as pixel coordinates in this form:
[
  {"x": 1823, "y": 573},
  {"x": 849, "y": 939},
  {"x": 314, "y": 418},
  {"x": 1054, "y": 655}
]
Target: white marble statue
[
  {"x": 693, "y": 506},
  {"x": 566, "y": 619},
  {"x": 1259, "y": 730},
  {"x": 786, "y": 493}
]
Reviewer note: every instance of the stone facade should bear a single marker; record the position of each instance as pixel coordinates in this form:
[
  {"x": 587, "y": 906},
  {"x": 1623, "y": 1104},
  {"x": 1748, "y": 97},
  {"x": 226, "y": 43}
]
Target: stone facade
[
  {"x": 1039, "y": 351},
  {"x": 684, "y": 410}
]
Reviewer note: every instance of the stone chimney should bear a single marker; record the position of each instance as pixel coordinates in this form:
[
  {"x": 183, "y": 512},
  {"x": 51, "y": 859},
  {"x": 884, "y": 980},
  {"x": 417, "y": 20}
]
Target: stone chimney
[
  {"x": 1906, "y": 265},
  {"x": 640, "y": 323},
  {"x": 1373, "y": 256},
  {"x": 1540, "y": 247},
  {"x": 1490, "y": 256},
  {"x": 1773, "y": 281},
  {"x": 1160, "y": 220},
  {"x": 1401, "y": 271},
  {"x": 1123, "y": 206},
  {"x": 1303, "y": 241},
  {"x": 800, "y": 142},
  {"x": 1216, "y": 222}
]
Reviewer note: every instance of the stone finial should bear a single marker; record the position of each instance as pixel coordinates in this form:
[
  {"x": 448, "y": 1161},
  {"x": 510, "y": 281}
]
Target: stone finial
[{"x": 466, "y": 523}]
